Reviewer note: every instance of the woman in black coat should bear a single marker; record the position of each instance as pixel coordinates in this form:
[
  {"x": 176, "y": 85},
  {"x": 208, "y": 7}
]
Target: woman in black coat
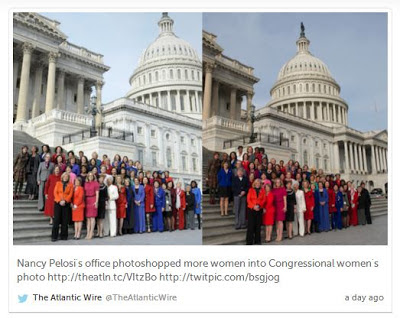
[{"x": 32, "y": 187}]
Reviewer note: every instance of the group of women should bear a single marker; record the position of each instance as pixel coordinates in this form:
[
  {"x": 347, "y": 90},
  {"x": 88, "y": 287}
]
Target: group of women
[
  {"x": 265, "y": 192},
  {"x": 115, "y": 198}
]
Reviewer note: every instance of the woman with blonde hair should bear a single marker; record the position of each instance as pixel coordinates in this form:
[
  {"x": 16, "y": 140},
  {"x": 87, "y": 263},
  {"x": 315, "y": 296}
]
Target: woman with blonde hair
[
  {"x": 121, "y": 203},
  {"x": 255, "y": 203},
  {"x": 110, "y": 225},
  {"x": 91, "y": 203}
]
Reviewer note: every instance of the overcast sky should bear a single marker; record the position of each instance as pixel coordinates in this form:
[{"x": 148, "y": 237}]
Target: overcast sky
[
  {"x": 122, "y": 38},
  {"x": 353, "y": 46}
]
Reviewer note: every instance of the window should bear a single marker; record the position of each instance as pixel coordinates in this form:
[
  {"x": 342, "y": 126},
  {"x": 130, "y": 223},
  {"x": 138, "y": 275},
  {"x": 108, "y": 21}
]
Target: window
[
  {"x": 140, "y": 130},
  {"x": 305, "y": 157},
  {"x": 316, "y": 144},
  {"x": 163, "y": 75},
  {"x": 153, "y": 133},
  {"x": 149, "y": 78},
  {"x": 317, "y": 163},
  {"x": 156, "y": 76},
  {"x": 192, "y": 75},
  {"x": 186, "y": 74},
  {"x": 182, "y": 139},
  {"x": 325, "y": 164},
  {"x": 154, "y": 158},
  {"x": 194, "y": 163},
  {"x": 169, "y": 158},
  {"x": 184, "y": 166},
  {"x": 171, "y": 74},
  {"x": 75, "y": 98},
  {"x": 291, "y": 138},
  {"x": 179, "y": 74},
  {"x": 192, "y": 142},
  {"x": 140, "y": 155},
  {"x": 182, "y": 100},
  {"x": 167, "y": 136}
]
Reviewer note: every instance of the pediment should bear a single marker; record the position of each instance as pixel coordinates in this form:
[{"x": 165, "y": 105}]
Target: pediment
[{"x": 40, "y": 23}]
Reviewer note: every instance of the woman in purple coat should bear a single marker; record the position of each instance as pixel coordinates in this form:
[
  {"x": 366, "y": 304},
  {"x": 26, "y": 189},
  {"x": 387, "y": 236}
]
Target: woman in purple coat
[
  {"x": 139, "y": 214},
  {"x": 159, "y": 202}
]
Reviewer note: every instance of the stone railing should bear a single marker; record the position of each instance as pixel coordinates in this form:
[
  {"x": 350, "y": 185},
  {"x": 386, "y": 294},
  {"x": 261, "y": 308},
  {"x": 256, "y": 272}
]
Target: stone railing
[
  {"x": 81, "y": 51},
  {"x": 235, "y": 64},
  {"x": 225, "y": 123},
  {"x": 140, "y": 106},
  {"x": 64, "y": 116}
]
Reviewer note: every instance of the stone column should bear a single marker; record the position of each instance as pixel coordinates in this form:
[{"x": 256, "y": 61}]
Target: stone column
[
  {"x": 334, "y": 113},
  {"x": 187, "y": 99},
  {"x": 233, "y": 103},
  {"x": 304, "y": 110},
  {"x": 373, "y": 159},
  {"x": 22, "y": 110},
  {"x": 336, "y": 157},
  {"x": 346, "y": 156},
  {"x": 159, "y": 100},
  {"x": 207, "y": 91},
  {"x": 319, "y": 110},
  {"x": 151, "y": 99},
  {"x": 364, "y": 159},
  {"x": 196, "y": 98},
  {"x": 37, "y": 91},
  {"x": 16, "y": 62},
  {"x": 60, "y": 90},
  {"x": 169, "y": 100},
  {"x": 378, "y": 161},
  {"x": 360, "y": 159},
  {"x": 99, "y": 116},
  {"x": 79, "y": 99},
  {"x": 351, "y": 156},
  {"x": 312, "y": 113},
  {"x": 380, "y": 158},
  {"x": 297, "y": 109},
  {"x": 51, "y": 81},
  {"x": 357, "y": 159},
  {"x": 178, "y": 104},
  {"x": 215, "y": 98},
  {"x": 386, "y": 160},
  {"x": 249, "y": 103}
]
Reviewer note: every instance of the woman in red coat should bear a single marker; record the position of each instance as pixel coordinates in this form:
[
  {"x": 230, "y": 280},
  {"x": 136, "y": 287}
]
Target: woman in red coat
[
  {"x": 269, "y": 212},
  {"x": 180, "y": 205},
  {"x": 255, "y": 202},
  {"x": 353, "y": 202},
  {"x": 310, "y": 204},
  {"x": 331, "y": 199},
  {"x": 149, "y": 201},
  {"x": 78, "y": 207},
  {"x": 49, "y": 193},
  {"x": 121, "y": 203}
]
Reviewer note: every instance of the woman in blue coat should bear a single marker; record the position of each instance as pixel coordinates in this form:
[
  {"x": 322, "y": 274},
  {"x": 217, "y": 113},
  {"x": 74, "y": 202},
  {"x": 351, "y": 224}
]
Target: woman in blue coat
[
  {"x": 324, "y": 225},
  {"x": 224, "y": 177},
  {"x": 139, "y": 214},
  {"x": 197, "y": 203},
  {"x": 337, "y": 216},
  {"x": 159, "y": 202}
]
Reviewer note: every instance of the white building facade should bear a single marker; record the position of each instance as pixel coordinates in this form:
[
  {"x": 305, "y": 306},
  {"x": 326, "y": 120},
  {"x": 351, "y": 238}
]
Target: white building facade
[
  {"x": 307, "y": 120},
  {"x": 157, "y": 122}
]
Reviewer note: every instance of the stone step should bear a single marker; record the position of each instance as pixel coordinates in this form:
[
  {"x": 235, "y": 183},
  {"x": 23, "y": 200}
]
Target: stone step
[
  {"x": 32, "y": 227},
  {"x": 23, "y": 218},
  {"x": 37, "y": 235},
  {"x": 226, "y": 221},
  {"x": 237, "y": 237}
]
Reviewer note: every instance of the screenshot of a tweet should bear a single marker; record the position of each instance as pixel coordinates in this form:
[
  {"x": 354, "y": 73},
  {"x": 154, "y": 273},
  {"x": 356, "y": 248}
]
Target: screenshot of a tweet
[{"x": 188, "y": 161}]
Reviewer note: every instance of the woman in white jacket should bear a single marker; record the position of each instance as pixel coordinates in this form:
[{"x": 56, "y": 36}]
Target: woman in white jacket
[
  {"x": 110, "y": 223},
  {"x": 298, "y": 226}
]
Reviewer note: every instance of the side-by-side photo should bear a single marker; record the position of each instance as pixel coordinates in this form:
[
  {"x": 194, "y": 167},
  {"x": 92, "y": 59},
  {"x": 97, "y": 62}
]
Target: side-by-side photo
[
  {"x": 107, "y": 131},
  {"x": 295, "y": 141}
]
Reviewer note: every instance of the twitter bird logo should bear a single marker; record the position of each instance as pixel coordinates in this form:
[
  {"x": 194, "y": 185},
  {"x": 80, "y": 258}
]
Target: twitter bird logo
[{"x": 22, "y": 299}]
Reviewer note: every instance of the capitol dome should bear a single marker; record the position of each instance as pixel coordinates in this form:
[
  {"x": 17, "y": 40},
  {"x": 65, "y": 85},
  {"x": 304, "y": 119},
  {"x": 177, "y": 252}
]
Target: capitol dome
[
  {"x": 306, "y": 88},
  {"x": 168, "y": 74}
]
